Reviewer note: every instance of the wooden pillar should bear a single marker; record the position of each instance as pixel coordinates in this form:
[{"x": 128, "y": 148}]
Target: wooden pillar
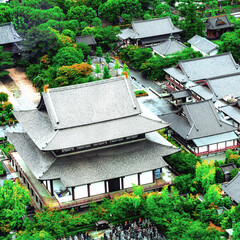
[
  {"x": 122, "y": 182},
  {"x": 73, "y": 193},
  {"x": 51, "y": 187},
  {"x": 88, "y": 188},
  {"x": 154, "y": 175},
  {"x": 105, "y": 186},
  {"x": 139, "y": 179}
]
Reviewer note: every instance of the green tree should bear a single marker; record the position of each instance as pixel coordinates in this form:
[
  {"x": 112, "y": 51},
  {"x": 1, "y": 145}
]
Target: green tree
[
  {"x": 3, "y": 97},
  {"x": 84, "y": 48},
  {"x": 99, "y": 53},
  {"x": 162, "y": 8},
  {"x": 96, "y": 22},
  {"x": 219, "y": 176},
  {"x": 14, "y": 199},
  {"x": 231, "y": 41},
  {"x": 97, "y": 70},
  {"x": 5, "y": 13},
  {"x": 192, "y": 24},
  {"x": 89, "y": 60},
  {"x": 67, "y": 56},
  {"x": 213, "y": 195},
  {"x": 116, "y": 66},
  {"x": 108, "y": 59},
  {"x": 5, "y": 62},
  {"x": 234, "y": 173},
  {"x": 125, "y": 69},
  {"x": 106, "y": 73},
  {"x": 236, "y": 231}
]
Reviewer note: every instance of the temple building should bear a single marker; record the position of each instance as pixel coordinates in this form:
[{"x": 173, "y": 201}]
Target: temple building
[
  {"x": 9, "y": 38},
  {"x": 86, "y": 141},
  {"x": 199, "y": 128},
  {"x": 148, "y": 32},
  {"x": 217, "y": 25},
  {"x": 189, "y": 73}
]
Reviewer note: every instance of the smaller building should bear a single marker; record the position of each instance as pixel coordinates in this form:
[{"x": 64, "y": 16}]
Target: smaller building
[
  {"x": 204, "y": 46},
  {"x": 198, "y": 127},
  {"x": 218, "y": 25},
  {"x": 232, "y": 189},
  {"x": 89, "y": 40},
  {"x": 147, "y": 32},
  {"x": 226, "y": 169},
  {"x": 9, "y": 38},
  {"x": 168, "y": 47}
]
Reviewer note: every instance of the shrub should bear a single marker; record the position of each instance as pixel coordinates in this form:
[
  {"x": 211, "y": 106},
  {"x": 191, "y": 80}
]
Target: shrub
[
  {"x": 233, "y": 173},
  {"x": 219, "y": 176}
]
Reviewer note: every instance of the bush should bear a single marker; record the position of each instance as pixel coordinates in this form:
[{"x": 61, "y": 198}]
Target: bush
[
  {"x": 2, "y": 170},
  {"x": 219, "y": 176},
  {"x": 233, "y": 173},
  {"x": 32, "y": 71}
]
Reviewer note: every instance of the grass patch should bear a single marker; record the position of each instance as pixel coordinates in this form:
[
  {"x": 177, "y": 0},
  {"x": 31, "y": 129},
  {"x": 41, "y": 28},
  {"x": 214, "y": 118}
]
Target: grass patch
[
  {"x": 141, "y": 93},
  {"x": 218, "y": 42}
]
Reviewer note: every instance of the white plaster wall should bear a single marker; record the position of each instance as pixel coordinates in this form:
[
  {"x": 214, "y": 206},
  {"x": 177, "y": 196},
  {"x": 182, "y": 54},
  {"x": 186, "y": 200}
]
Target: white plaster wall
[
  {"x": 221, "y": 145},
  {"x": 63, "y": 199},
  {"x": 213, "y": 147},
  {"x": 214, "y": 52},
  {"x": 203, "y": 149},
  {"x": 129, "y": 180},
  {"x": 198, "y": 50},
  {"x": 58, "y": 186},
  {"x": 48, "y": 185},
  {"x": 146, "y": 177},
  {"x": 97, "y": 188},
  {"x": 81, "y": 191},
  {"x": 229, "y": 143}
]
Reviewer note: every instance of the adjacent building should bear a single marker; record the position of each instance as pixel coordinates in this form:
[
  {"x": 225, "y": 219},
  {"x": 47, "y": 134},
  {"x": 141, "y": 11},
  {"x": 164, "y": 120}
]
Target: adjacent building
[
  {"x": 148, "y": 32},
  {"x": 168, "y": 47},
  {"x": 218, "y": 25},
  {"x": 89, "y": 40},
  {"x": 86, "y": 141},
  {"x": 198, "y": 127},
  {"x": 198, "y": 70},
  {"x": 9, "y": 38},
  {"x": 203, "y": 45},
  {"x": 232, "y": 189}
]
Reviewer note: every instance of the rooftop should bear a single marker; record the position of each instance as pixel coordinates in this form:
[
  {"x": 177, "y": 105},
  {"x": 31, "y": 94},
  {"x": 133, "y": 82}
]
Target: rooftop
[
  {"x": 169, "y": 47},
  {"x": 232, "y": 188},
  {"x": 204, "y": 68},
  {"x": 218, "y": 22},
  {"x": 194, "y": 125},
  {"x": 8, "y": 34},
  {"x": 92, "y": 166},
  {"x": 89, "y": 40},
  {"x": 203, "y": 44}
]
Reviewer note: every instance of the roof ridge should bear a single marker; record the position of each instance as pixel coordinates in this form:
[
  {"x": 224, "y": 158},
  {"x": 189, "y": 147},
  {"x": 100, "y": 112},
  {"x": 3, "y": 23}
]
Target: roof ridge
[
  {"x": 190, "y": 115},
  {"x": 215, "y": 114},
  {"x": 82, "y": 85},
  {"x": 200, "y": 58},
  {"x": 168, "y": 45},
  {"x": 226, "y": 184},
  {"x": 225, "y": 75},
  {"x": 150, "y": 20}
]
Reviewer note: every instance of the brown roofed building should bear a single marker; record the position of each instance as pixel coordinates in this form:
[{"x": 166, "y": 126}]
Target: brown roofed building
[{"x": 218, "y": 25}]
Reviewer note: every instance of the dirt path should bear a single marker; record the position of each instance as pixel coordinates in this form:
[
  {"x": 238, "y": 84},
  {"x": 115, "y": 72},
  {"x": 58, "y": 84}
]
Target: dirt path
[{"x": 26, "y": 88}]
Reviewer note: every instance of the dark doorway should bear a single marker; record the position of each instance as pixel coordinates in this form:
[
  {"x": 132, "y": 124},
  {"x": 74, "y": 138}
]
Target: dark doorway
[{"x": 114, "y": 184}]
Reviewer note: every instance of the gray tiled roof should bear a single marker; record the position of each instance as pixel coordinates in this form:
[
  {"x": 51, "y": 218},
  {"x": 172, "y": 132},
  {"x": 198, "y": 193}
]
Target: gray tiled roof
[
  {"x": 169, "y": 47},
  {"x": 232, "y": 112},
  {"x": 203, "y": 92},
  {"x": 126, "y": 33},
  {"x": 90, "y": 103},
  {"x": 8, "y": 34},
  {"x": 194, "y": 124},
  {"x": 181, "y": 94},
  {"x": 87, "y": 113},
  {"x": 89, "y": 40},
  {"x": 232, "y": 188},
  {"x": 39, "y": 128},
  {"x": 202, "y": 44},
  {"x": 154, "y": 27},
  {"x": 225, "y": 85},
  {"x": 226, "y": 168},
  {"x": 218, "y": 22},
  {"x": 204, "y": 67},
  {"x": 94, "y": 166}
]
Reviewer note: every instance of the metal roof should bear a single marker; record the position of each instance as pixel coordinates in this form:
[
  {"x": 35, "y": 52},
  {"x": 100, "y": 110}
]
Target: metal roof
[
  {"x": 215, "y": 139},
  {"x": 232, "y": 112},
  {"x": 218, "y": 22},
  {"x": 181, "y": 94},
  {"x": 202, "y": 44}
]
